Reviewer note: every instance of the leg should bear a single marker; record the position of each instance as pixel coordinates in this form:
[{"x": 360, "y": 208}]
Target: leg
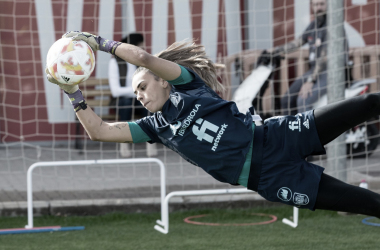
[
  {"x": 334, "y": 119},
  {"x": 336, "y": 195}
]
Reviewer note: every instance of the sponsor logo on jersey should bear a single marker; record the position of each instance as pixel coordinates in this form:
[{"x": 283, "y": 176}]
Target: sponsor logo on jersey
[
  {"x": 201, "y": 132},
  {"x": 219, "y": 136},
  {"x": 300, "y": 199},
  {"x": 174, "y": 127},
  {"x": 201, "y": 128},
  {"x": 174, "y": 98},
  {"x": 296, "y": 125},
  {"x": 186, "y": 123},
  {"x": 284, "y": 194}
]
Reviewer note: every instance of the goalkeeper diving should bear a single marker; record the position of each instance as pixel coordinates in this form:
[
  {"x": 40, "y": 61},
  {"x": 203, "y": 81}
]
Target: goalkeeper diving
[{"x": 180, "y": 87}]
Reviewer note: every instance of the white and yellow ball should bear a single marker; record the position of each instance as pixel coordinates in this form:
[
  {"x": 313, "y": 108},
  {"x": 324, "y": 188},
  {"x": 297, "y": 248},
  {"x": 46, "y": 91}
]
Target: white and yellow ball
[{"x": 70, "y": 62}]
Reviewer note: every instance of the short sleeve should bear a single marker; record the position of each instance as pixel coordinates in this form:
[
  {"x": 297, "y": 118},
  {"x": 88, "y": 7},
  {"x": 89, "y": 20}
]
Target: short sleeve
[
  {"x": 184, "y": 78},
  {"x": 148, "y": 125},
  {"x": 138, "y": 135}
]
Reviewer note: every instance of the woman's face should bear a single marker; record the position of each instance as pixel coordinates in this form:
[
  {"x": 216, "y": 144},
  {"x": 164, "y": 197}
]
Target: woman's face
[{"x": 151, "y": 93}]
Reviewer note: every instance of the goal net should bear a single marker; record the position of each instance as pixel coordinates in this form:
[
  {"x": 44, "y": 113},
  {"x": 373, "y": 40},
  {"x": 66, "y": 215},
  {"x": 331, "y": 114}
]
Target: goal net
[{"x": 37, "y": 122}]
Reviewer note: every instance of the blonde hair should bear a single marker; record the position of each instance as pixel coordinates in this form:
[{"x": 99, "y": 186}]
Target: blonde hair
[{"x": 188, "y": 54}]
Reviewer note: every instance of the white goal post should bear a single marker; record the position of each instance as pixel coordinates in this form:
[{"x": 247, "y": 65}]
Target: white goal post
[{"x": 89, "y": 162}]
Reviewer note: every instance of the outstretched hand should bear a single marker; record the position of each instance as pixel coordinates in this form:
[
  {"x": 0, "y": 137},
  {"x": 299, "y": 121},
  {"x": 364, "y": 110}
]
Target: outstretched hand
[
  {"x": 67, "y": 88},
  {"x": 95, "y": 42},
  {"x": 90, "y": 39}
]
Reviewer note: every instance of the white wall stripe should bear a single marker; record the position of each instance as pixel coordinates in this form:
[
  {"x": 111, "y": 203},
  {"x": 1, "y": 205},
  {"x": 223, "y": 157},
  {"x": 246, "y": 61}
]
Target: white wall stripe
[
  {"x": 159, "y": 25},
  {"x": 209, "y": 31},
  {"x": 354, "y": 38},
  {"x": 302, "y": 16},
  {"x": 233, "y": 26},
  {"x": 359, "y": 2},
  {"x": 233, "y": 35},
  {"x": 131, "y": 17},
  {"x": 128, "y": 17},
  {"x": 182, "y": 20},
  {"x": 53, "y": 94},
  {"x": 74, "y": 15},
  {"x": 260, "y": 24},
  {"x": 106, "y": 30}
]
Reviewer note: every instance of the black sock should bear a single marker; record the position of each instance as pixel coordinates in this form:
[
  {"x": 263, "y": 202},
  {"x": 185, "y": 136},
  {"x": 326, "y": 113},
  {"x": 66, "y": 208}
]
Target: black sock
[{"x": 336, "y": 195}]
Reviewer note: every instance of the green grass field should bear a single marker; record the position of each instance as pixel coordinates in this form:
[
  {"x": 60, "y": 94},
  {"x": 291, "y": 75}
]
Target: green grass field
[{"x": 316, "y": 230}]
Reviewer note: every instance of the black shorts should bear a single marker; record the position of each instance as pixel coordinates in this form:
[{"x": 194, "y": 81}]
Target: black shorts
[{"x": 285, "y": 176}]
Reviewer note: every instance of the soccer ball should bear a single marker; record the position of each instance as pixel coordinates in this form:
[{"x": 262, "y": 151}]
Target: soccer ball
[{"x": 70, "y": 62}]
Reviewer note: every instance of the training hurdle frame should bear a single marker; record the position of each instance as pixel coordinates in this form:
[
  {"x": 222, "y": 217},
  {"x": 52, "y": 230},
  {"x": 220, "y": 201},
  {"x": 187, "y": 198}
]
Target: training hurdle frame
[
  {"x": 163, "y": 224},
  {"x": 88, "y": 162}
]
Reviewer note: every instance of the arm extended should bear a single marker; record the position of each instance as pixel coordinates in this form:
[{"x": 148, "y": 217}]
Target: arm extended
[
  {"x": 98, "y": 130},
  {"x": 165, "y": 69}
]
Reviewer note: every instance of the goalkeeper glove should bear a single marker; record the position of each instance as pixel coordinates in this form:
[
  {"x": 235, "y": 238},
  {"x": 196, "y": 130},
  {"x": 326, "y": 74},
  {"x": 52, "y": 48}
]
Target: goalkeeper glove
[
  {"x": 95, "y": 42},
  {"x": 72, "y": 91},
  {"x": 67, "y": 88}
]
